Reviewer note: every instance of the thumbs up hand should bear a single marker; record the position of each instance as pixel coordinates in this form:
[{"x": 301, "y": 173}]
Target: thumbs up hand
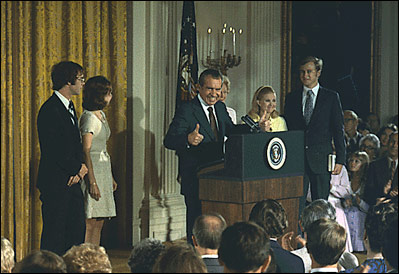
[
  {"x": 195, "y": 138},
  {"x": 264, "y": 123}
]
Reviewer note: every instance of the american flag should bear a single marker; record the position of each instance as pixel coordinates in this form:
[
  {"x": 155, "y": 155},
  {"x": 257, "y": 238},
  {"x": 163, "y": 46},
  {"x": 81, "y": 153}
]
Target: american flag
[{"x": 188, "y": 63}]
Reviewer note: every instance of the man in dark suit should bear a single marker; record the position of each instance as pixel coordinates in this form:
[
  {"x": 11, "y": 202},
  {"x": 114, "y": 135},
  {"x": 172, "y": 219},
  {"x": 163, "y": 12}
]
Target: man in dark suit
[
  {"x": 352, "y": 136},
  {"x": 197, "y": 134},
  {"x": 318, "y": 112},
  {"x": 381, "y": 178},
  {"x": 61, "y": 163},
  {"x": 207, "y": 234}
]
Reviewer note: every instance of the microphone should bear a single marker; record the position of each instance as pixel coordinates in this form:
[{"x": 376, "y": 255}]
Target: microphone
[{"x": 251, "y": 123}]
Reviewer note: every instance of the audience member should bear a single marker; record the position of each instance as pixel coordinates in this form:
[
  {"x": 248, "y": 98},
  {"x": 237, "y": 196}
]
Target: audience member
[
  {"x": 244, "y": 248},
  {"x": 390, "y": 243},
  {"x": 144, "y": 254},
  {"x": 325, "y": 243},
  {"x": 394, "y": 120},
  {"x": 363, "y": 127},
  {"x": 314, "y": 211},
  {"x": 7, "y": 256},
  {"x": 355, "y": 207},
  {"x": 381, "y": 174},
  {"x": 207, "y": 233},
  {"x": 373, "y": 120},
  {"x": 179, "y": 258},
  {"x": 352, "y": 135},
  {"x": 223, "y": 96},
  {"x": 264, "y": 106},
  {"x": 340, "y": 189},
  {"x": 371, "y": 145},
  {"x": 383, "y": 135},
  {"x": 271, "y": 216},
  {"x": 41, "y": 261},
  {"x": 377, "y": 220},
  {"x": 87, "y": 258}
]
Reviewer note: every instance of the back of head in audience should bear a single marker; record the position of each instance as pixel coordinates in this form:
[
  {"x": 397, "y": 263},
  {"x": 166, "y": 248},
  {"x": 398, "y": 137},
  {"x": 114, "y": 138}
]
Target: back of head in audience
[
  {"x": 390, "y": 241},
  {"x": 326, "y": 241},
  {"x": 316, "y": 210},
  {"x": 377, "y": 220},
  {"x": 7, "y": 256},
  {"x": 271, "y": 216},
  {"x": 207, "y": 230},
  {"x": 41, "y": 261},
  {"x": 87, "y": 258},
  {"x": 245, "y": 247},
  {"x": 179, "y": 258},
  {"x": 144, "y": 255}
]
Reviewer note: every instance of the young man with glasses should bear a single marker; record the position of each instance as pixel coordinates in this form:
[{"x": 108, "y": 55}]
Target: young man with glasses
[{"x": 61, "y": 165}]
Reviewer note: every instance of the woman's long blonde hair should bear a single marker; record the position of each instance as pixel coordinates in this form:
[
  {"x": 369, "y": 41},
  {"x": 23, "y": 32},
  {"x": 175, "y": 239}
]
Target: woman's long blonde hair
[{"x": 259, "y": 93}]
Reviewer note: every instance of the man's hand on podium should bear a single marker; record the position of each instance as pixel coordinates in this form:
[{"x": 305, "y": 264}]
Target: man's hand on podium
[{"x": 195, "y": 138}]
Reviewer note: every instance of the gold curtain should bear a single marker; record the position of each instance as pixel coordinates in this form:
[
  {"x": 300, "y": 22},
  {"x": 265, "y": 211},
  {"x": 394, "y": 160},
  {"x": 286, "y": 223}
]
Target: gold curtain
[{"x": 35, "y": 35}]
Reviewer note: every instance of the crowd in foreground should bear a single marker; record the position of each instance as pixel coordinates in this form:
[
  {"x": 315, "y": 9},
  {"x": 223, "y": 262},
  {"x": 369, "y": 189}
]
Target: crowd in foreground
[{"x": 257, "y": 245}]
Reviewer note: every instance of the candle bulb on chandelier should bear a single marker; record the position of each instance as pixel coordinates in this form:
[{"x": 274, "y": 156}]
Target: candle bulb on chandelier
[
  {"x": 223, "y": 40},
  {"x": 209, "y": 41},
  {"x": 239, "y": 42},
  {"x": 234, "y": 42}
]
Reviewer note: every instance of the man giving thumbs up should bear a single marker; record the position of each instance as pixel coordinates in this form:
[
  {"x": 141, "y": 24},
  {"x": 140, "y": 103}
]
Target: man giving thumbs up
[{"x": 196, "y": 134}]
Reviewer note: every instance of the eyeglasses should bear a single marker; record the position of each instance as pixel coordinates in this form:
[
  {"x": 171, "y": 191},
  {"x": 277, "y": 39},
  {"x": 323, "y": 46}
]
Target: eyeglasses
[
  {"x": 348, "y": 120},
  {"x": 81, "y": 79}
]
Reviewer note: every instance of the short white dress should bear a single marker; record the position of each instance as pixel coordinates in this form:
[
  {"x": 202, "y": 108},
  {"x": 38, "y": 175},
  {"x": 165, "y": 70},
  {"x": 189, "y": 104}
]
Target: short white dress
[{"x": 105, "y": 206}]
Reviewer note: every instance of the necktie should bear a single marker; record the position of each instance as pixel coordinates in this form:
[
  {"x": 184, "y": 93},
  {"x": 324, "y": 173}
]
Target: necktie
[
  {"x": 308, "y": 107},
  {"x": 71, "y": 110},
  {"x": 393, "y": 168},
  {"x": 212, "y": 121}
]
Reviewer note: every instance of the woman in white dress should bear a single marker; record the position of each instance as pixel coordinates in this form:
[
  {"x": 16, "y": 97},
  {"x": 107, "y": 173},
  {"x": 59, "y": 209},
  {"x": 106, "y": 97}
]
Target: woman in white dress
[
  {"x": 99, "y": 184},
  {"x": 264, "y": 108}
]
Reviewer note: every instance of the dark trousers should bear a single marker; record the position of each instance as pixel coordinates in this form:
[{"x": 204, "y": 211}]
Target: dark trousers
[
  {"x": 193, "y": 210},
  {"x": 319, "y": 188},
  {"x": 63, "y": 220}
]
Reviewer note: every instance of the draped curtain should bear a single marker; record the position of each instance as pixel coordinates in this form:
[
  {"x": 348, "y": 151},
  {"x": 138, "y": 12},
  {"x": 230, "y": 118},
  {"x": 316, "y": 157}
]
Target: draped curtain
[{"x": 35, "y": 35}]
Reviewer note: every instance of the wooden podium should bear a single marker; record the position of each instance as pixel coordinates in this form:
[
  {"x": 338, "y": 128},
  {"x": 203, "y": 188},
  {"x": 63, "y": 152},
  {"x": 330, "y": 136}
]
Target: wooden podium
[{"x": 246, "y": 177}]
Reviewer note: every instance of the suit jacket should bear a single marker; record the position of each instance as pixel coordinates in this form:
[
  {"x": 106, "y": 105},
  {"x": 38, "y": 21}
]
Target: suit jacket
[
  {"x": 209, "y": 150},
  {"x": 60, "y": 147},
  {"x": 286, "y": 261},
  {"x": 354, "y": 147},
  {"x": 213, "y": 266},
  {"x": 379, "y": 173},
  {"x": 326, "y": 124}
]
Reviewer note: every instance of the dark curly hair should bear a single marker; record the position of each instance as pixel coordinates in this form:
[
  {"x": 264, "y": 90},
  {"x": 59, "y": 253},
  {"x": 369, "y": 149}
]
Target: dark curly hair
[
  {"x": 94, "y": 92},
  {"x": 377, "y": 220},
  {"x": 144, "y": 254},
  {"x": 271, "y": 216}
]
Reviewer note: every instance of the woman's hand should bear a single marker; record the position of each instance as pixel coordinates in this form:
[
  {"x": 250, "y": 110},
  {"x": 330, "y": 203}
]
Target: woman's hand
[
  {"x": 94, "y": 191},
  {"x": 114, "y": 185}
]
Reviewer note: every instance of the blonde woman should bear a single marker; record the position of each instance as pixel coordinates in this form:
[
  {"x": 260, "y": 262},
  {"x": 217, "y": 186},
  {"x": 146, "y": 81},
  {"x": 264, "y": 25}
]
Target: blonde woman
[{"x": 264, "y": 110}]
